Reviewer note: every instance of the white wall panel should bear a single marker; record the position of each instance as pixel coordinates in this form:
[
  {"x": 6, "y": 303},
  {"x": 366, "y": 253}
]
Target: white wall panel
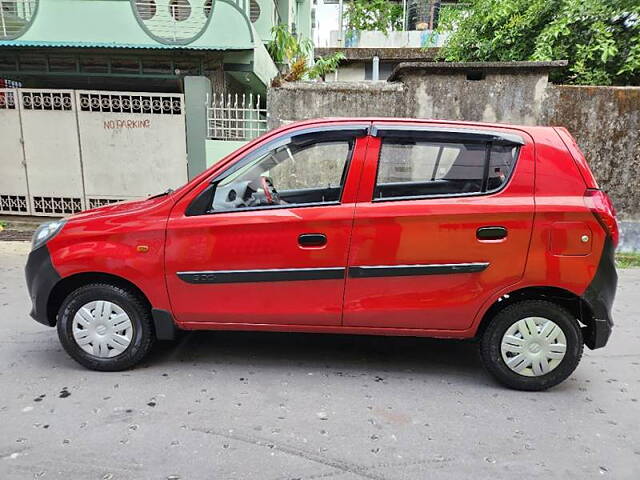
[
  {"x": 133, "y": 144},
  {"x": 13, "y": 176},
  {"x": 51, "y": 147},
  {"x": 62, "y": 151}
]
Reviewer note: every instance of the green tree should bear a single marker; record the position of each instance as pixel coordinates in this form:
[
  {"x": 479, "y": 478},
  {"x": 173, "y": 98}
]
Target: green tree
[
  {"x": 285, "y": 47},
  {"x": 599, "y": 38},
  {"x": 376, "y": 15},
  {"x": 293, "y": 54}
]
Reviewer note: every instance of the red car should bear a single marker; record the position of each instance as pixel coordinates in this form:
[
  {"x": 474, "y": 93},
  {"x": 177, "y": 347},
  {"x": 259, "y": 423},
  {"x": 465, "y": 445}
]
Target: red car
[{"x": 360, "y": 226}]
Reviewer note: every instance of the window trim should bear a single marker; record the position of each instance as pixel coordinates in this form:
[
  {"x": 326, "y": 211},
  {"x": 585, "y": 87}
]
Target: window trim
[
  {"x": 452, "y": 138},
  {"x": 276, "y": 207},
  {"x": 447, "y": 134},
  {"x": 351, "y": 132}
]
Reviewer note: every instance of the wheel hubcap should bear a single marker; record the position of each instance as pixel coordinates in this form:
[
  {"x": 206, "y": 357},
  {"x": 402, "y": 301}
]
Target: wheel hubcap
[
  {"x": 533, "y": 346},
  {"x": 102, "y": 329}
]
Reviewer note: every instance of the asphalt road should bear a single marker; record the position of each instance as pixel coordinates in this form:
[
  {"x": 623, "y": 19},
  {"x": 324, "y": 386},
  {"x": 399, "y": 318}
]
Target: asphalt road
[{"x": 293, "y": 406}]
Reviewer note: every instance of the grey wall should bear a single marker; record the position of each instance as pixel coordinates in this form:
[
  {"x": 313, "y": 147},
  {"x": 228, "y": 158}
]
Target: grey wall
[
  {"x": 510, "y": 97},
  {"x": 302, "y": 100},
  {"x": 606, "y": 124},
  {"x": 604, "y": 120}
]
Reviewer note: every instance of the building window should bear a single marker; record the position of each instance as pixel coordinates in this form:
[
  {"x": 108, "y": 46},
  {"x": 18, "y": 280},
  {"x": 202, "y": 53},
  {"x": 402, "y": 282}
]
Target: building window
[
  {"x": 146, "y": 9},
  {"x": 10, "y": 7},
  {"x": 173, "y": 21},
  {"x": 254, "y": 11},
  {"x": 15, "y": 17},
  {"x": 180, "y": 9}
]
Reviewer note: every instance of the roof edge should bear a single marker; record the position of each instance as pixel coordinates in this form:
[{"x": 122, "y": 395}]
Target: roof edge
[
  {"x": 452, "y": 67},
  {"x": 159, "y": 46},
  {"x": 384, "y": 53}
]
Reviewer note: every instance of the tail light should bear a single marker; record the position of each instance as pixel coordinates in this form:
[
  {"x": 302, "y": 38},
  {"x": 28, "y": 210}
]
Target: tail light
[{"x": 602, "y": 208}]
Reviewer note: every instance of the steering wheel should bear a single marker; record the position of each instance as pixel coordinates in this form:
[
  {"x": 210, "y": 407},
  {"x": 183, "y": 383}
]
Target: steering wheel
[{"x": 271, "y": 195}]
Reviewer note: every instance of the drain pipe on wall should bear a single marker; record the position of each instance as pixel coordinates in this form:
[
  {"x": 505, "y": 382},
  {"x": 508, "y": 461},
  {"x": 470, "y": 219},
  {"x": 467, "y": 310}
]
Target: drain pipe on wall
[{"x": 375, "y": 70}]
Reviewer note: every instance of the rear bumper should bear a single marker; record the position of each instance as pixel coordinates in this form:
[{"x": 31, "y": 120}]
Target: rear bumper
[
  {"x": 41, "y": 278},
  {"x": 599, "y": 296}
]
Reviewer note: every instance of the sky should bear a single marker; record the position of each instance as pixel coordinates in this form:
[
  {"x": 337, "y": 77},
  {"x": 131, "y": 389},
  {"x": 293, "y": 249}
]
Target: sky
[{"x": 326, "y": 21}]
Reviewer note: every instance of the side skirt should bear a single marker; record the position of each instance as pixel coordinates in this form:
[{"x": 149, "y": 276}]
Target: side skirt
[{"x": 338, "y": 329}]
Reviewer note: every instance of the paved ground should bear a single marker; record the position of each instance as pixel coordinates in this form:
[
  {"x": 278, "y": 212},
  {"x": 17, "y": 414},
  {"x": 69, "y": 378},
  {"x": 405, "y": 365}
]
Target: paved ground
[{"x": 284, "y": 406}]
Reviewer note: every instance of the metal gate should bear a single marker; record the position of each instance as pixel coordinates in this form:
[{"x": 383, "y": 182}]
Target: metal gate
[
  {"x": 63, "y": 151},
  {"x": 14, "y": 193}
]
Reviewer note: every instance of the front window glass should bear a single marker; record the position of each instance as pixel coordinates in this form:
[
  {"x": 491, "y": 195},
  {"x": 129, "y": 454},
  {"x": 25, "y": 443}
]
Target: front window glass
[{"x": 300, "y": 172}]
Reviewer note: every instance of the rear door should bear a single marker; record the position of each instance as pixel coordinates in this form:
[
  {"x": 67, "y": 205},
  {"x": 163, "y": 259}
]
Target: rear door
[
  {"x": 266, "y": 241},
  {"x": 443, "y": 221}
]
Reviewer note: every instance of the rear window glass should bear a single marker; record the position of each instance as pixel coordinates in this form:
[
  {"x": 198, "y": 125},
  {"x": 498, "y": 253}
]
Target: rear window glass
[{"x": 422, "y": 168}]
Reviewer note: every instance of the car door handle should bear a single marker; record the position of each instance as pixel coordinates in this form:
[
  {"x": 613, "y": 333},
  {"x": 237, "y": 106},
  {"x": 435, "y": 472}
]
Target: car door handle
[
  {"x": 491, "y": 233},
  {"x": 312, "y": 240}
]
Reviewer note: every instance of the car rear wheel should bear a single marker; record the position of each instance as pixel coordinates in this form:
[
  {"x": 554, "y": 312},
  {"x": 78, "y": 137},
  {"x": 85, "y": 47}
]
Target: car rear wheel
[
  {"x": 532, "y": 345},
  {"x": 105, "y": 327}
]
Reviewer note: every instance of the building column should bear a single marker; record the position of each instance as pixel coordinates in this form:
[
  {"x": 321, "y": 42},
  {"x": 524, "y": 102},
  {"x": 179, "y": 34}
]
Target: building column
[{"x": 197, "y": 89}]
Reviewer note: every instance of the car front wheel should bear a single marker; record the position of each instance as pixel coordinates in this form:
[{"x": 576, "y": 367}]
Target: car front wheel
[
  {"x": 532, "y": 345},
  {"x": 105, "y": 327}
]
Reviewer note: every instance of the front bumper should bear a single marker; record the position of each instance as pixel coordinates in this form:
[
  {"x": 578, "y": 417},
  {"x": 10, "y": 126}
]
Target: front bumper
[
  {"x": 41, "y": 278},
  {"x": 599, "y": 296}
]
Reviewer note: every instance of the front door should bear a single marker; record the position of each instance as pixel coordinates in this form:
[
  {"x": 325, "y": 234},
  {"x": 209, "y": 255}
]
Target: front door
[
  {"x": 443, "y": 221},
  {"x": 266, "y": 240}
]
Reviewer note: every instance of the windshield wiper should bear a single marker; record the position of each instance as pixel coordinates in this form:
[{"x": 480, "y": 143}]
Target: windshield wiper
[{"x": 166, "y": 192}]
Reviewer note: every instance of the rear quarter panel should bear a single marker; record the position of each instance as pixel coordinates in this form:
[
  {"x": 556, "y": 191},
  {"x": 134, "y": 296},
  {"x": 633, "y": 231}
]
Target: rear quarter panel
[
  {"x": 557, "y": 255},
  {"x": 561, "y": 215}
]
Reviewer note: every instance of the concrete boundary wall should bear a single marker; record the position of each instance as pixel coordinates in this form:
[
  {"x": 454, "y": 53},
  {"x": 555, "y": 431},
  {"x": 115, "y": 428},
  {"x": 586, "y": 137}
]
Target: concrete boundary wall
[
  {"x": 606, "y": 124},
  {"x": 303, "y": 100},
  {"x": 604, "y": 120}
]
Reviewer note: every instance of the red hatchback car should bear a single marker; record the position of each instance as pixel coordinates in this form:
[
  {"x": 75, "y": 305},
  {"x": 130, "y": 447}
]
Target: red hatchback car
[{"x": 360, "y": 226}]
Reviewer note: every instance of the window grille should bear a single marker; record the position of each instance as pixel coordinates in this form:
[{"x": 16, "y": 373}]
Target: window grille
[
  {"x": 13, "y": 203},
  {"x": 57, "y": 205},
  {"x": 46, "y": 101},
  {"x": 160, "y": 104},
  {"x": 101, "y": 202},
  {"x": 7, "y": 100}
]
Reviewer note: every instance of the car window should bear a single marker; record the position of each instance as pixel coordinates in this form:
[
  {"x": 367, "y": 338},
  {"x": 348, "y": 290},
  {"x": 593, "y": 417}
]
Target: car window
[
  {"x": 317, "y": 166},
  {"x": 300, "y": 172},
  {"x": 409, "y": 168},
  {"x": 501, "y": 162}
]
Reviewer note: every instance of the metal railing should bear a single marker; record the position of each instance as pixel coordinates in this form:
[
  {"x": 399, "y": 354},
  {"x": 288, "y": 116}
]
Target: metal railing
[
  {"x": 235, "y": 117},
  {"x": 15, "y": 16}
]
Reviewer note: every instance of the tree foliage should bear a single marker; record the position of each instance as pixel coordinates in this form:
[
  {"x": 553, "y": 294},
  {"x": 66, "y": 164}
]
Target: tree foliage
[
  {"x": 293, "y": 54},
  {"x": 325, "y": 65},
  {"x": 285, "y": 47},
  {"x": 599, "y": 38},
  {"x": 376, "y": 15}
]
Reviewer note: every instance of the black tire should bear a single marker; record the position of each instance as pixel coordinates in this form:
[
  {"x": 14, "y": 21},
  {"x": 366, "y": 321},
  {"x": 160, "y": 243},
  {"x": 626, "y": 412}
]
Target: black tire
[
  {"x": 136, "y": 308},
  {"x": 491, "y": 339}
]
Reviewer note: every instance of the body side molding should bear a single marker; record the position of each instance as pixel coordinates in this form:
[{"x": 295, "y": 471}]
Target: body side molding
[
  {"x": 368, "y": 271},
  {"x": 329, "y": 273},
  {"x": 269, "y": 275}
]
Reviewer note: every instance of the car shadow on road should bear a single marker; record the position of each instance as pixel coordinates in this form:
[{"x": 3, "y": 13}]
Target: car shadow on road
[{"x": 454, "y": 360}]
